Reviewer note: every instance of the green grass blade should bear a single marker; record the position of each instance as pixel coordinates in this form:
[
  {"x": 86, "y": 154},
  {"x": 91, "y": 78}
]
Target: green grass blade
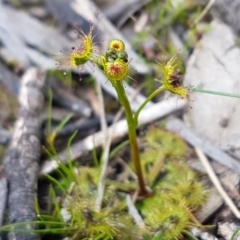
[
  {"x": 49, "y": 111},
  {"x": 56, "y": 182},
  {"x": 190, "y": 235},
  {"x": 215, "y": 93},
  {"x": 69, "y": 160},
  {"x": 118, "y": 148},
  {"x": 235, "y": 234}
]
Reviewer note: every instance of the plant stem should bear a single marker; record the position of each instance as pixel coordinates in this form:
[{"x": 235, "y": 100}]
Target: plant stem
[
  {"x": 149, "y": 98},
  {"x": 118, "y": 85}
]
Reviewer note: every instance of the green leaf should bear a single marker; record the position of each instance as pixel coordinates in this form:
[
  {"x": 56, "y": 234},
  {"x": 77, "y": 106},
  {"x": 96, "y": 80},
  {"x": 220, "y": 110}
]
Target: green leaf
[{"x": 146, "y": 236}]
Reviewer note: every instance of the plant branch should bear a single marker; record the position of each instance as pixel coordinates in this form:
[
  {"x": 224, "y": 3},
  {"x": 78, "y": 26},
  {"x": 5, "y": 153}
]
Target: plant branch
[{"x": 149, "y": 98}]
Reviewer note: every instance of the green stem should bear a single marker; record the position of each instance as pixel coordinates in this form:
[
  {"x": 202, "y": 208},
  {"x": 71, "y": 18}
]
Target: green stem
[
  {"x": 149, "y": 98},
  {"x": 118, "y": 85}
]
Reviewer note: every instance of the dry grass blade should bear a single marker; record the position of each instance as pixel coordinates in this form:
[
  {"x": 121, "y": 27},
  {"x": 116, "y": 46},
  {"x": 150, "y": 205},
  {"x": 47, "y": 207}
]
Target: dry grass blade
[
  {"x": 106, "y": 149},
  {"x": 203, "y": 13},
  {"x": 217, "y": 183},
  {"x": 134, "y": 212}
]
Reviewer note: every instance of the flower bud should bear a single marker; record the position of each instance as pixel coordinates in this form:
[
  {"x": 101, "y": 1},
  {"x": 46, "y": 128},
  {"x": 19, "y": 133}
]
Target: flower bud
[
  {"x": 117, "y": 45},
  {"x": 123, "y": 55},
  {"x": 110, "y": 52},
  {"x": 116, "y": 71},
  {"x": 101, "y": 60}
]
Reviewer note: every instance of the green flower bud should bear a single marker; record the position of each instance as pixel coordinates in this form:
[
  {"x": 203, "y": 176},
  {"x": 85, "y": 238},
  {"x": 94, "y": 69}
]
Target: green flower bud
[{"x": 123, "y": 55}]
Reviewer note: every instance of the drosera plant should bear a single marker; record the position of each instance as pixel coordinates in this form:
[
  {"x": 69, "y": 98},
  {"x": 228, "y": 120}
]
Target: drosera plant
[
  {"x": 164, "y": 205},
  {"x": 115, "y": 66}
]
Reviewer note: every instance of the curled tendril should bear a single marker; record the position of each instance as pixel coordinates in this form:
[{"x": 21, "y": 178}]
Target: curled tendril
[{"x": 172, "y": 79}]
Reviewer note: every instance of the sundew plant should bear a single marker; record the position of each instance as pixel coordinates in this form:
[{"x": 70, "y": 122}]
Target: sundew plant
[
  {"x": 166, "y": 205},
  {"x": 166, "y": 216},
  {"x": 115, "y": 66}
]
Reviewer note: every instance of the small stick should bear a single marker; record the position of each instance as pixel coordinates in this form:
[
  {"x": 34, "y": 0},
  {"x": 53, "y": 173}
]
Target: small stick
[
  {"x": 217, "y": 183},
  {"x": 134, "y": 212},
  {"x": 106, "y": 149},
  {"x": 203, "y": 13}
]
